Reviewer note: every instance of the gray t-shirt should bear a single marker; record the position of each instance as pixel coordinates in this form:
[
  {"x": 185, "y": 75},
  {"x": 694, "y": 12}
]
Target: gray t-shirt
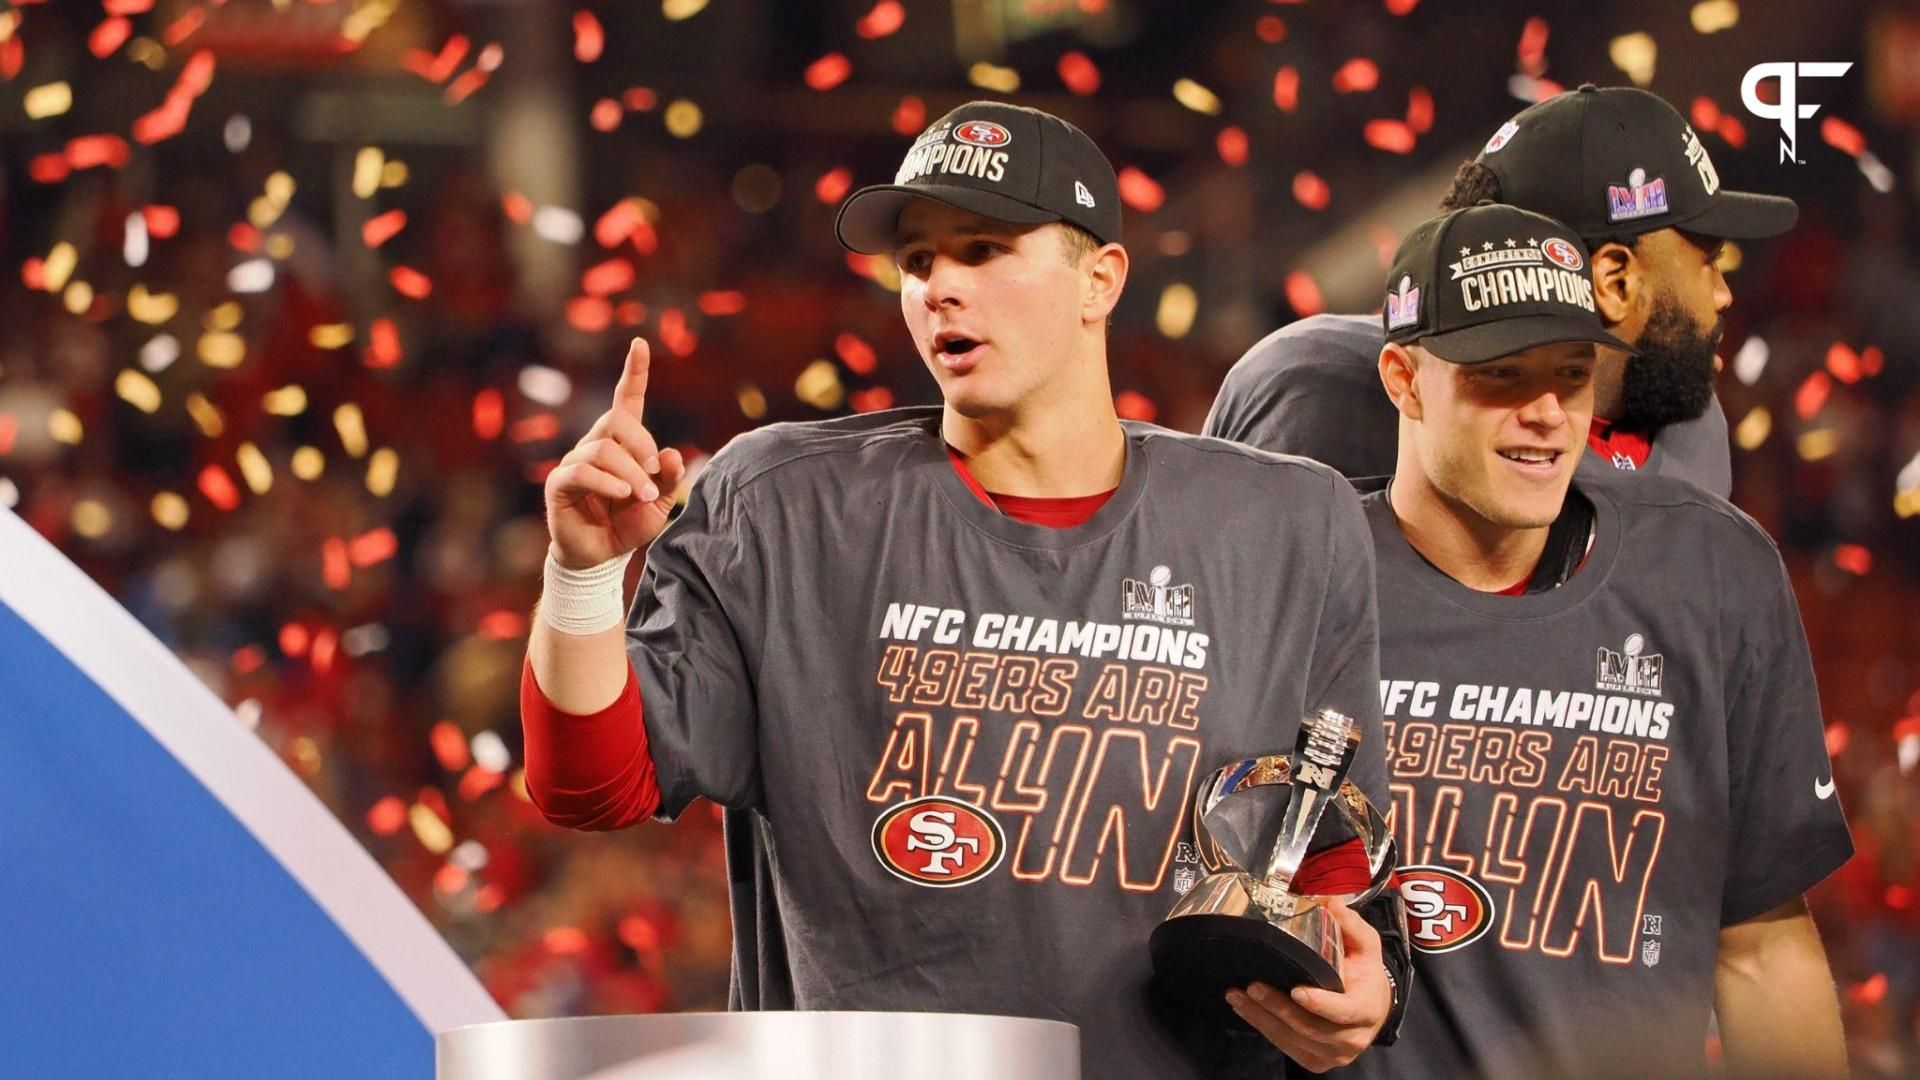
[
  {"x": 959, "y": 751},
  {"x": 1590, "y": 782},
  {"x": 1312, "y": 388}
]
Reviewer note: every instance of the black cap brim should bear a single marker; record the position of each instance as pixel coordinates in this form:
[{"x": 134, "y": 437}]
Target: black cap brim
[
  {"x": 870, "y": 216},
  {"x": 1743, "y": 215},
  {"x": 1505, "y": 337}
]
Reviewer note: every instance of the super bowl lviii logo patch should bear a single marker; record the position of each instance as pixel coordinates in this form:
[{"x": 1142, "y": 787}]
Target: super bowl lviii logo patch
[
  {"x": 1157, "y": 599},
  {"x": 1403, "y": 304},
  {"x": 1638, "y": 198},
  {"x": 1632, "y": 669},
  {"x": 938, "y": 842},
  {"x": 1446, "y": 910}
]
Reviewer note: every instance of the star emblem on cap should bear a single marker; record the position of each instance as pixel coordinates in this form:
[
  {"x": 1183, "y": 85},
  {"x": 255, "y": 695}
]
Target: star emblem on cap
[
  {"x": 1531, "y": 242},
  {"x": 1511, "y": 242},
  {"x": 1488, "y": 246},
  {"x": 1466, "y": 251}
]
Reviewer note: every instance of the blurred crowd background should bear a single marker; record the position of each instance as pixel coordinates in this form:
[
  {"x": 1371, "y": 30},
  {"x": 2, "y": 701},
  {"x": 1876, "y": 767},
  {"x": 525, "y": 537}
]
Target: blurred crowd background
[{"x": 300, "y": 298}]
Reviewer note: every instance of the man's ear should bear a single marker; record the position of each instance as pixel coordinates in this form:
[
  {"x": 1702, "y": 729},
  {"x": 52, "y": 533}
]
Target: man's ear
[
  {"x": 1619, "y": 282},
  {"x": 1106, "y": 277},
  {"x": 1397, "y": 367}
]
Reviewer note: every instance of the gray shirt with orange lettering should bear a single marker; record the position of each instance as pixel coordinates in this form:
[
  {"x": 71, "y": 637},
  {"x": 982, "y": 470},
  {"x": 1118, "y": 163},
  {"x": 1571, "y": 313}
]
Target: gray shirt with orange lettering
[
  {"x": 1590, "y": 782},
  {"x": 959, "y": 751}
]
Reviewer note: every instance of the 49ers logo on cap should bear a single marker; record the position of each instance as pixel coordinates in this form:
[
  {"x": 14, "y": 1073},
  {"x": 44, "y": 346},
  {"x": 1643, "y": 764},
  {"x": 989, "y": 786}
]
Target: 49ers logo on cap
[
  {"x": 1446, "y": 910},
  {"x": 938, "y": 842},
  {"x": 982, "y": 133},
  {"x": 1562, "y": 253}
]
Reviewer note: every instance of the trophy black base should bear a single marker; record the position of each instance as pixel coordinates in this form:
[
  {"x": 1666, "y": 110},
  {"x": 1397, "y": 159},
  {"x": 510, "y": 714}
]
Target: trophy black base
[{"x": 1199, "y": 955}]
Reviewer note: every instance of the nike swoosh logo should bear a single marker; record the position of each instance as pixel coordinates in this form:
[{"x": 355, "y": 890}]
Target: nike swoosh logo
[{"x": 1823, "y": 789}]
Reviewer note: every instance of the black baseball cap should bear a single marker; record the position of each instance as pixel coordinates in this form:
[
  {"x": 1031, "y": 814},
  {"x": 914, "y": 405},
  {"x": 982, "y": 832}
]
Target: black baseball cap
[
  {"x": 1006, "y": 162},
  {"x": 1490, "y": 281},
  {"x": 1617, "y": 161}
]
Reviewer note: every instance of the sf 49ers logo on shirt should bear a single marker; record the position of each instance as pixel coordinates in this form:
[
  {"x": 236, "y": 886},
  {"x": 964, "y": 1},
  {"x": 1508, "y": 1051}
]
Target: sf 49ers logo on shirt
[
  {"x": 982, "y": 133},
  {"x": 938, "y": 842},
  {"x": 1446, "y": 910}
]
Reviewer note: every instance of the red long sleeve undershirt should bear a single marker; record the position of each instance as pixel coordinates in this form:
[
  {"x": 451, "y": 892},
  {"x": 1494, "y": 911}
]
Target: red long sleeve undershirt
[{"x": 595, "y": 772}]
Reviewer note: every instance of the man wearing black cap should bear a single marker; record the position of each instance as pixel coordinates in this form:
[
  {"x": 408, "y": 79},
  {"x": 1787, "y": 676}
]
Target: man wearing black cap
[
  {"x": 1631, "y": 177},
  {"x": 1610, "y": 779},
  {"x": 955, "y": 672}
]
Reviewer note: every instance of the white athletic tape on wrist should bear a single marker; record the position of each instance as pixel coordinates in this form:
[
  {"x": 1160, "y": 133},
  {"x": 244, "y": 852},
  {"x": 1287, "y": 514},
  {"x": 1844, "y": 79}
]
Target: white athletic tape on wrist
[{"x": 586, "y": 601}]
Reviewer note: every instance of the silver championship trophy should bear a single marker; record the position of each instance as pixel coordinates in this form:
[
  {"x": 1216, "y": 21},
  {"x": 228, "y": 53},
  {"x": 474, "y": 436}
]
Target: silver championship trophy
[{"x": 1255, "y": 821}]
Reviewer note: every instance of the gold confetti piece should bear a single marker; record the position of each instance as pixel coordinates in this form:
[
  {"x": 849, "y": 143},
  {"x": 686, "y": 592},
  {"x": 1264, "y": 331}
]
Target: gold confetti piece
[
  {"x": 280, "y": 188},
  {"x": 309, "y": 463},
  {"x": 675, "y": 10},
  {"x": 9, "y": 20},
  {"x": 59, "y": 266},
  {"x": 137, "y": 390},
  {"x": 1907, "y": 503},
  {"x": 366, "y": 171},
  {"x": 206, "y": 416},
  {"x": 819, "y": 386},
  {"x": 1713, "y": 16},
  {"x": 53, "y": 99},
  {"x": 1178, "y": 306},
  {"x": 222, "y": 349},
  {"x": 393, "y": 174},
  {"x": 1817, "y": 444},
  {"x": 286, "y": 401},
  {"x": 91, "y": 518},
  {"x": 170, "y": 511},
  {"x": 1754, "y": 428},
  {"x": 148, "y": 53},
  {"x": 280, "y": 247},
  {"x": 64, "y": 427},
  {"x": 365, "y": 19},
  {"x": 331, "y": 336},
  {"x": 432, "y": 833},
  {"x": 753, "y": 403},
  {"x": 151, "y": 308},
  {"x": 683, "y": 119},
  {"x": 306, "y": 757},
  {"x": 1002, "y": 80},
  {"x": 254, "y": 468},
  {"x": 1196, "y": 97},
  {"x": 1634, "y": 54},
  {"x": 226, "y": 316},
  {"x": 351, "y": 426},
  {"x": 77, "y": 297},
  {"x": 263, "y": 212},
  {"x": 383, "y": 471}
]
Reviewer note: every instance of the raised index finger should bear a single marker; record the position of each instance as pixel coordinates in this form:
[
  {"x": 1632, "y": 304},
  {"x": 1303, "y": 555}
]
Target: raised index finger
[{"x": 630, "y": 393}]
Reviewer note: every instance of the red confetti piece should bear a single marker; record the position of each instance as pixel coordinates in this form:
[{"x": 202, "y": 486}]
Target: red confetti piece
[
  {"x": 373, "y": 547},
  {"x": 1843, "y": 362},
  {"x": 1854, "y": 559},
  {"x": 1356, "y": 76},
  {"x": 88, "y": 151},
  {"x": 450, "y": 879},
  {"x": 294, "y": 639},
  {"x": 606, "y": 278},
  {"x": 1231, "y": 144},
  {"x": 886, "y": 17},
  {"x": 1733, "y": 131},
  {"x": 449, "y": 746},
  {"x": 1812, "y": 395},
  {"x": 418, "y": 62},
  {"x": 218, "y": 487},
  {"x": 1303, "y": 295},
  {"x": 127, "y": 7},
  {"x": 502, "y": 625},
  {"x": 855, "y": 353},
  {"x": 1271, "y": 29},
  {"x": 379, "y": 230},
  {"x": 1420, "y": 110},
  {"x": 872, "y": 399},
  {"x": 1843, "y": 136},
  {"x": 335, "y": 569},
  {"x": 631, "y": 313},
  {"x": 606, "y": 115},
  {"x": 867, "y": 266},
  {"x": 464, "y": 87},
  {"x": 1872, "y": 360},
  {"x": 49, "y": 168},
  {"x": 1140, "y": 191},
  {"x": 33, "y": 274},
  {"x": 1871, "y": 992},
  {"x": 478, "y": 781},
  {"x": 832, "y": 186},
  {"x": 1093, "y": 7},
  {"x": 383, "y": 344},
  {"x": 638, "y": 933},
  {"x": 645, "y": 240},
  {"x": 1286, "y": 89},
  {"x": 248, "y": 658},
  {"x": 107, "y": 38},
  {"x": 197, "y": 75},
  {"x": 910, "y": 115},
  {"x": 589, "y": 40},
  {"x": 674, "y": 334},
  {"x": 618, "y": 223},
  {"x": 489, "y": 413},
  {"x": 717, "y": 303},
  {"x": 245, "y": 238},
  {"x": 1134, "y": 405},
  {"x": 1310, "y": 191},
  {"x": 1532, "y": 50},
  {"x": 639, "y": 99},
  {"x": 325, "y": 645},
  {"x": 1837, "y": 737},
  {"x": 9, "y": 430},
  {"x": 1079, "y": 73},
  {"x": 1705, "y": 113},
  {"x": 565, "y": 941},
  {"x": 489, "y": 898},
  {"x": 536, "y": 428},
  {"x": 518, "y": 208},
  {"x": 435, "y": 801},
  {"x": 1401, "y": 7},
  {"x": 185, "y": 26},
  {"x": 165, "y": 122},
  {"x": 410, "y": 283},
  {"x": 443, "y": 65},
  {"x": 829, "y": 71},
  {"x": 1899, "y": 897},
  {"x": 589, "y": 314},
  {"x": 388, "y": 816},
  {"x": 1393, "y": 136}
]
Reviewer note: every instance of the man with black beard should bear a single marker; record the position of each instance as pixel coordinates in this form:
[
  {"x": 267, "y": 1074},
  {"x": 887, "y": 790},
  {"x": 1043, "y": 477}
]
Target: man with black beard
[{"x": 1627, "y": 173}]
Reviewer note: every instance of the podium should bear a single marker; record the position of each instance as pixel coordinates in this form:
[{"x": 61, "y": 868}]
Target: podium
[{"x": 763, "y": 1046}]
